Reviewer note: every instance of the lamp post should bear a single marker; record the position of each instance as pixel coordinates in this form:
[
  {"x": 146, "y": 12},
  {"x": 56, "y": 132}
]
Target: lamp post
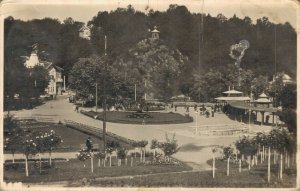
[
  {"x": 104, "y": 96},
  {"x": 196, "y": 112}
]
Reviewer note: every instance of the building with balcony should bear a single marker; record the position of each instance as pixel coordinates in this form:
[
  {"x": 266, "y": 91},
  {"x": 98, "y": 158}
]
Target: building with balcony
[{"x": 56, "y": 83}]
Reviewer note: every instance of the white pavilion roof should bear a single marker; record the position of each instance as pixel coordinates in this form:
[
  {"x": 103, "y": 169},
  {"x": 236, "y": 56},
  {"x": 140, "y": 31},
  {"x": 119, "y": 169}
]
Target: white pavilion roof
[
  {"x": 232, "y": 92},
  {"x": 233, "y": 98},
  {"x": 262, "y": 100}
]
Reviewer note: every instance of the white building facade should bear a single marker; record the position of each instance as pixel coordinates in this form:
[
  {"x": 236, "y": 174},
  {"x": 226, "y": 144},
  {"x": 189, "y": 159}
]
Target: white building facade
[{"x": 56, "y": 83}]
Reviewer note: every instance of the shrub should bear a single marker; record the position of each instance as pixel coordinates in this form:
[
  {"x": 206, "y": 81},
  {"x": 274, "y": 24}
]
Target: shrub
[{"x": 227, "y": 152}]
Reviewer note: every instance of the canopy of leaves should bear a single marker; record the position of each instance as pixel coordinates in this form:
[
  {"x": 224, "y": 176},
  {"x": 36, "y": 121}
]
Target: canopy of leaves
[
  {"x": 246, "y": 146},
  {"x": 154, "y": 63}
]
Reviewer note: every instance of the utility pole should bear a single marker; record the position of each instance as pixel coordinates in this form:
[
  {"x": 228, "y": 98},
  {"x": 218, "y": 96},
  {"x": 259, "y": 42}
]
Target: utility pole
[
  {"x": 104, "y": 97},
  {"x": 135, "y": 92},
  {"x": 96, "y": 101},
  {"x": 64, "y": 83}
]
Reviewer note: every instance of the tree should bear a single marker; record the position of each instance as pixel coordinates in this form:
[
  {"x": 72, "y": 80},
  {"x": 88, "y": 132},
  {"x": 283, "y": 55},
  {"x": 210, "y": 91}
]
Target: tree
[
  {"x": 276, "y": 89},
  {"x": 51, "y": 140},
  {"x": 169, "y": 147},
  {"x": 289, "y": 117},
  {"x": 13, "y": 136},
  {"x": 154, "y": 145},
  {"x": 259, "y": 85},
  {"x": 89, "y": 71},
  {"x": 142, "y": 144},
  {"x": 29, "y": 148},
  {"x": 39, "y": 78},
  {"x": 83, "y": 155},
  {"x": 246, "y": 146},
  {"x": 122, "y": 154},
  {"x": 110, "y": 147},
  {"x": 288, "y": 96}
]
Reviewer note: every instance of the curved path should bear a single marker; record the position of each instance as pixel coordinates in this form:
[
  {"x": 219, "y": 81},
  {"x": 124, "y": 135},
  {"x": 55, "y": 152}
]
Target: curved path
[{"x": 195, "y": 151}]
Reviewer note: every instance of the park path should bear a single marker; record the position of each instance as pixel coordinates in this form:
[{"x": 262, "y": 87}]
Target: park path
[{"x": 196, "y": 150}]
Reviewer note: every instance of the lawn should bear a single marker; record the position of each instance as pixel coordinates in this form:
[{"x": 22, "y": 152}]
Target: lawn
[
  {"x": 72, "y": 138},
  {"x": 256, "y": 177},
  {"x": 154, "y": 117},
  {"x": 74, "y": 171}
]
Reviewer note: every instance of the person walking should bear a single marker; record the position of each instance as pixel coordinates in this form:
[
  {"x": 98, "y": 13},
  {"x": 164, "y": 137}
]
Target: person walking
[{"x": 89, "y": 144}]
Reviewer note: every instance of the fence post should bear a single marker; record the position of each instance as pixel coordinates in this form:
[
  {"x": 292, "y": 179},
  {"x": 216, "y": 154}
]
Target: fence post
[
  {"x": 228, "y": 166},
  {"x": 269, "y": 165},
  {"x": 213, "y": 166}
]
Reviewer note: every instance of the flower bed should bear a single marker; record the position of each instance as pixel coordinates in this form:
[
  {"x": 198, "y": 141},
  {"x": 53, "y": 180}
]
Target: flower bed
[{"x": 156, "y": 117}]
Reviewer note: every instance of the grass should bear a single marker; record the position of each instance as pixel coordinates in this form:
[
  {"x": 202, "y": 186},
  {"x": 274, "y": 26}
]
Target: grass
[
  {"x": 204, "y": 179},
  {"x": 71, "y": 138},
  {"x": 156, "y": 117},
  {"x": 74, "y": 171}
]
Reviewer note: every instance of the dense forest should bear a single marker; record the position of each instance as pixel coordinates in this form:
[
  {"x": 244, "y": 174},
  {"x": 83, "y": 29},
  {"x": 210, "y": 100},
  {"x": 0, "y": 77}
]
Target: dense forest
[{"x": 202, "y": 40}]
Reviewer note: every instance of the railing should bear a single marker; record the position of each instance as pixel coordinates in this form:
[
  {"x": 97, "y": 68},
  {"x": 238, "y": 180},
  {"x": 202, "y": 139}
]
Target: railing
[
  {"x": 96, "y": 131},
  {"x": 226, "y": 129}
]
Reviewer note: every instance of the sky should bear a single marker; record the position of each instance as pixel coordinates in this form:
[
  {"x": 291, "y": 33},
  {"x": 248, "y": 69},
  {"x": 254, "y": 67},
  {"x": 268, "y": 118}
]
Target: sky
[{"x": 278, "y": 11}]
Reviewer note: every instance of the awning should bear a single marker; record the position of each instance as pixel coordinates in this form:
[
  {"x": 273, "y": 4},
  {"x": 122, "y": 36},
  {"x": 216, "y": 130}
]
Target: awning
[
  {"x": 245, "y": 106},
  {"x": 233, "y": 98}
]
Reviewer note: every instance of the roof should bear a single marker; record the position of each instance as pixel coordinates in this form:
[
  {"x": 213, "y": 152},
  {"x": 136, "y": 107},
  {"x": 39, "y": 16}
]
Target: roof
[
  {"x": 32, "y": 61},
  {"x": 243, "y": 105},
  {"x": 48, "y": 65},
  {"x": 84, "y": 28},
  {"x": 233, "y": 98},
  {"x": 155, "y": 30},
  {"x": 262, "y": 100},
  {"x": 286, "y": 77},
  {"x": 232, "y": 92},
  {"x": 263, "y": 95}
]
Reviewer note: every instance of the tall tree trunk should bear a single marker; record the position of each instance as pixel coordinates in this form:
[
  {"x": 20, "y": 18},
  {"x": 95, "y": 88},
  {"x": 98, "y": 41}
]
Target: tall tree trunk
[
  {"x": 255, "y": 160},
  {"x": 110, "y": 160},
  {"x": 26, "y": 165},
  {"x": 269, "y": 165},
  {"x": 131, "y": 161},
  {"x": 92, "y": 165},
  {"x": 249, "y": 162},
  {"x": 240, "y": 165},
  {"x": 141, "y": 157},
  {"x": 40, "y": 163},
  {"x": 228, "y": 166},
  {"x": 288, "y": 160},
  {"x": 99, "y": 162},
  {"x": 213, "y": 166},
  {"x": 280, "y": 166},
  {"x": 274, "y": 155},
  {"x": 126, "y": 160},
  {"x": 50, "y": 159},
  {"x": 263, "y": 154}
]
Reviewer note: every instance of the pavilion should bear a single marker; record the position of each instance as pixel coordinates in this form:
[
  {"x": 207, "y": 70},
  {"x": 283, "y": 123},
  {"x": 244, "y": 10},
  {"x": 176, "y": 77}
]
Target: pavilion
[{"x": 239, "y": 105}]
